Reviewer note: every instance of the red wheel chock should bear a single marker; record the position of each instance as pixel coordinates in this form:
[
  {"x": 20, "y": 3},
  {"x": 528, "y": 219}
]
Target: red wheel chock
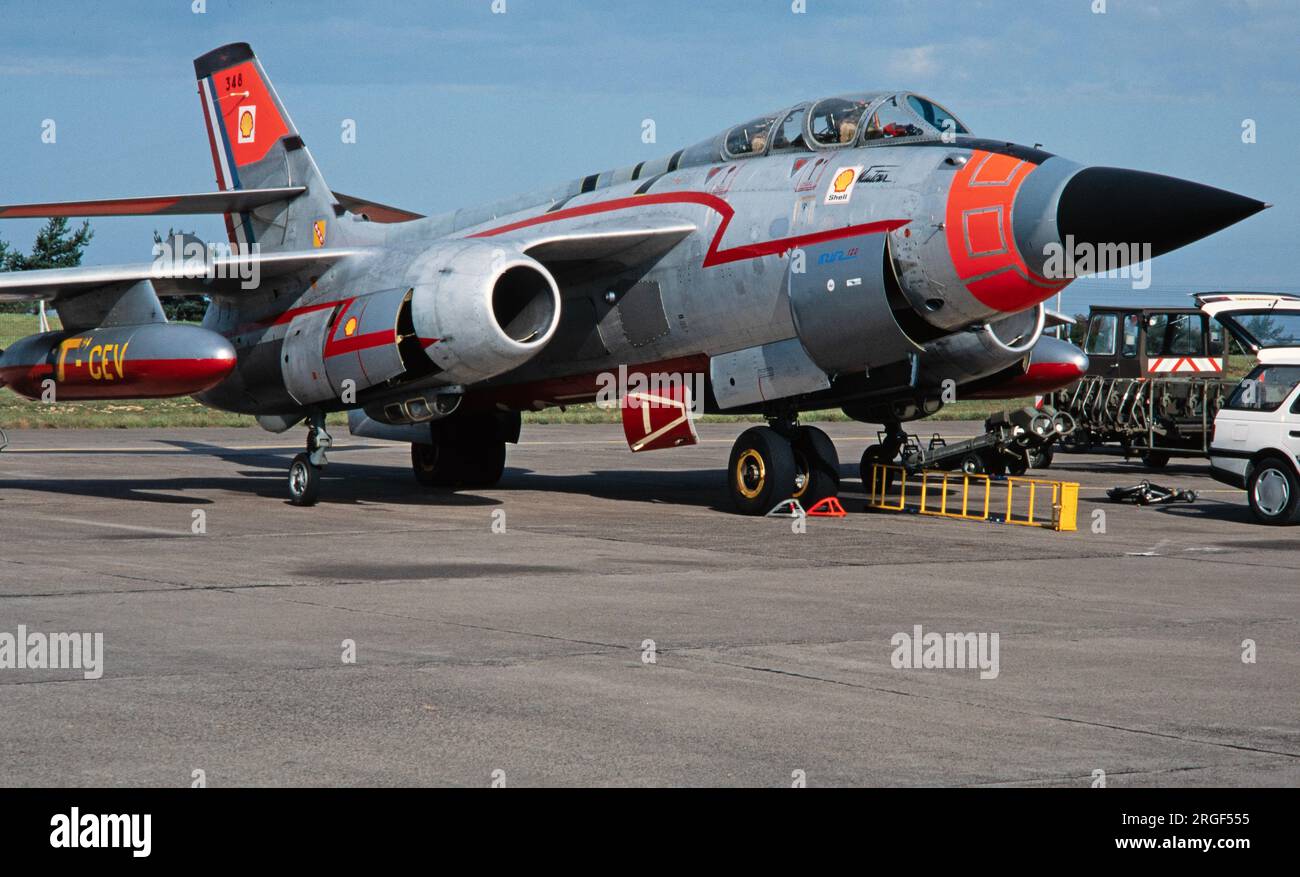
[{"x": 827, "y": 508}]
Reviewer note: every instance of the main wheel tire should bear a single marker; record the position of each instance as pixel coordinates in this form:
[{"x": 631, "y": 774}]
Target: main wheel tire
[
  {"x": 761, "y": 471},
  {"x": 457, "y": 465},
  {"x": 817, "y": 466},
  {"x": 1040, "y": 458},
  {"x": 1274, "y": 492},
  {"x": 483, "y": 463},
  {"x": 304, "y": 481},
  {"x": 1155, "y": 459},
  {"x": 424, "y": 464},
  {"x": 1018, "y": 465},
  {"x": 973, "y": 464}
]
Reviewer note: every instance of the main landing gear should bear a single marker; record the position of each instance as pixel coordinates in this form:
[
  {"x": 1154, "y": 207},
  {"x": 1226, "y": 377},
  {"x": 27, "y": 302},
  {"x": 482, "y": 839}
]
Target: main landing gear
[
  {"x": 304, "y": 471},
  {"x": 779, "y": 462},
  {"x": 467, "y": 451}
]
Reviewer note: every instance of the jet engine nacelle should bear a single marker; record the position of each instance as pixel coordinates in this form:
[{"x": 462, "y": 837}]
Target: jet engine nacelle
[
  {"x": 843, "y": 310},
  {"x": 983, "y": 349},
  {"x": 149, "y": 361},
  {"x": 482, "y": 308}
]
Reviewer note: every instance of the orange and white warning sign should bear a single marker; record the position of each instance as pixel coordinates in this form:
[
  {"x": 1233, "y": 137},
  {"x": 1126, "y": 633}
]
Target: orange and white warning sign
[
  {"x": 841, "y": 188},
  {"x": 318, "y": 233}
]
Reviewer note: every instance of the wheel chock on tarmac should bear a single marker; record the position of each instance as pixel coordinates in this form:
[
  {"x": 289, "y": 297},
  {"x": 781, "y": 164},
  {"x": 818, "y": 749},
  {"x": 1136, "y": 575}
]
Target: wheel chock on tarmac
[
  {"x": 787, "y": 508},
  {"x": 827, "y": 508}
]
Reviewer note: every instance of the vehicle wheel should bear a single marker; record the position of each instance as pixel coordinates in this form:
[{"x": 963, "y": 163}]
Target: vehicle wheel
[
  {"x": 973, "y": 464},
  {"x": 1018, "y": 465},
  {"x": 761, "y": 471},
  {"x": 304, "y": 481},
  {"x": 870, "y": 457},
  {"x": 1155, "y": 459},
  {"x": 1273, "y": 492},
  {"x": 817, "y": 466},
  {"x": 1040, "y": 458},
  {"x": 424, "y": 463}
]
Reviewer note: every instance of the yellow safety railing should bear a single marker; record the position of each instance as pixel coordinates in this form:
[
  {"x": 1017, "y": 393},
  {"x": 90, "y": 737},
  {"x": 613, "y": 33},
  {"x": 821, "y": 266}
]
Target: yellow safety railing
[
  {"x": 928, "y": 476},
  {"x": 1059, "y": 511}
]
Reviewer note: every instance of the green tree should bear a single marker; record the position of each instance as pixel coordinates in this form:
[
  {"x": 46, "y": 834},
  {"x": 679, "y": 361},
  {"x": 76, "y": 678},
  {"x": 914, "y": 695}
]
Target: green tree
[{"x": 56, "y": 246}]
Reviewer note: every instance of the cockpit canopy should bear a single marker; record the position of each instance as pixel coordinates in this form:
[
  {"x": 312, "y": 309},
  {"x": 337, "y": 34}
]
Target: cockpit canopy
[
  {"x": 848, "y": 120},
  {"x": 877, "y": 118}
]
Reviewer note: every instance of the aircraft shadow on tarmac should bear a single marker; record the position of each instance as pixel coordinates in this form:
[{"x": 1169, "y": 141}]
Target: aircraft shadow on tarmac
[
  {"x": 263, "y": 473},
  {"x": 360, "y": 482}
]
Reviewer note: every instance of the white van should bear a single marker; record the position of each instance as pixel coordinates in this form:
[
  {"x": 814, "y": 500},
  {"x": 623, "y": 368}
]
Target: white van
[{"x": 1256, "y": 439}]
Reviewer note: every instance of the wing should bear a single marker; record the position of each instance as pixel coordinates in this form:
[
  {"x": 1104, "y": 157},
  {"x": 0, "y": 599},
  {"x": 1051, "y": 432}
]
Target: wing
[
  {"x": 373, "y": 210},
  {"x": 226, "y": 275},
  {"x": 233, "y": 201}
]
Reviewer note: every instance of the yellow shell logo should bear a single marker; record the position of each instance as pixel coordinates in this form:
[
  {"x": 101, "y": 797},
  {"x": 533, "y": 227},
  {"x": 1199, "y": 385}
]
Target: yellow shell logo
[
  {"x": 350, "y": 326},
  {"x": 843, "y": 180},
  {"x": 246, "y": 124}
]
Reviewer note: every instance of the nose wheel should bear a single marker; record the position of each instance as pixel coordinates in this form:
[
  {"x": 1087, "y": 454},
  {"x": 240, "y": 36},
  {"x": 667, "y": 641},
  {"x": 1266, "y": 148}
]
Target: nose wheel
[
  {"x": 304, "y": 481},
  {"x": 304, "y": 471}
]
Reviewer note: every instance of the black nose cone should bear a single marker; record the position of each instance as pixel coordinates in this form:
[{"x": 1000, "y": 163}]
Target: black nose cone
[{"x": 1108, "y": 206}]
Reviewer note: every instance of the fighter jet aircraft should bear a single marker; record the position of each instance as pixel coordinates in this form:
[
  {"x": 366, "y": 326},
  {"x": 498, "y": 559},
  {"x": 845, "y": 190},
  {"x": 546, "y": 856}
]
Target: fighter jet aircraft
[{"x": 866, "y": 252}]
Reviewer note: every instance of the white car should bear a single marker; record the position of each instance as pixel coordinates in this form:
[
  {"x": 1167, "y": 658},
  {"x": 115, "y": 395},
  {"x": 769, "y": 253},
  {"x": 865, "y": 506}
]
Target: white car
[{"x": 1256, "y": 438}]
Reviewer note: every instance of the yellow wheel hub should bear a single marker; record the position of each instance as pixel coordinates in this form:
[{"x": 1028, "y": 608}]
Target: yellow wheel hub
[{"x": 750, "y": 474}]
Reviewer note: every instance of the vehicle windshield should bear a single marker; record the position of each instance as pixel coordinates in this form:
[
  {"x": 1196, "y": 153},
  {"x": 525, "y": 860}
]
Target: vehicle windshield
[
  {"x": 1130, "y": 335},
  {"x": 1265, "y": 388},
  {"x": 1267, "y": 328},
  {"x": 1101, "y": 335},
  {"x": 749, "y": 138},
  {"x": 1175, "y": 335},
  {"x": 835, "y": 120}
]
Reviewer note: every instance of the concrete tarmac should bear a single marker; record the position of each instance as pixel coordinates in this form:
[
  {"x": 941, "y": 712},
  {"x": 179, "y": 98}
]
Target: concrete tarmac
[{"x": 526, "y": 652}]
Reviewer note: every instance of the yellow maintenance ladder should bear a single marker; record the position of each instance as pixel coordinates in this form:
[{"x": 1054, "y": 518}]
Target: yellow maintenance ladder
[{"x": 1030, "y": 507}]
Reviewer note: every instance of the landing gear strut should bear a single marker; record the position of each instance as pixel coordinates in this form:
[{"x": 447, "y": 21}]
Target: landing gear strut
[
  {"x": 782, "y": 461},
  {"x": 885, "y": 452},
  {"x": 304, "y": 471}
]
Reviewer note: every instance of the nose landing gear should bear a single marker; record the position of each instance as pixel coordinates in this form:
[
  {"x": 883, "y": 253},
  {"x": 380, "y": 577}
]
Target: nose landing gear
[{"x": 304, "y": 471}]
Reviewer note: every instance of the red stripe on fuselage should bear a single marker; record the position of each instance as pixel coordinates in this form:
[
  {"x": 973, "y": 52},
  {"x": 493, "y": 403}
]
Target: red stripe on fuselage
[
  {"x": 715, "y": 255},
  {"x": 140, "y": 379}
]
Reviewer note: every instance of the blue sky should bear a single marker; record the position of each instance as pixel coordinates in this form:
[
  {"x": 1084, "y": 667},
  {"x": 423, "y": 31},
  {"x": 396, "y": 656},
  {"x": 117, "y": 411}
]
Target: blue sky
[{"x": 455, "y": 105}]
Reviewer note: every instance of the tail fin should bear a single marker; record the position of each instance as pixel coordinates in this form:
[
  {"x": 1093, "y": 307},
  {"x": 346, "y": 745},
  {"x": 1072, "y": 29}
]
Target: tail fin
[{"x": 256, "y": 146}]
